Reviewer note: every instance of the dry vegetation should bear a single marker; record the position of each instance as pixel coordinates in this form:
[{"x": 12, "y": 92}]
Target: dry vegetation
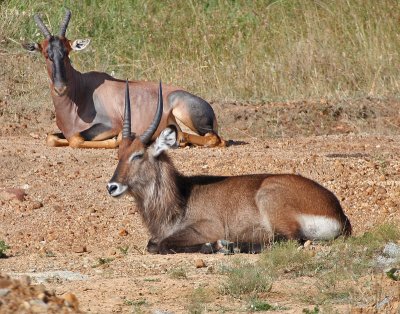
[
  {"x": 226, "y": 50},
  {"x": 334, "y": 67}
]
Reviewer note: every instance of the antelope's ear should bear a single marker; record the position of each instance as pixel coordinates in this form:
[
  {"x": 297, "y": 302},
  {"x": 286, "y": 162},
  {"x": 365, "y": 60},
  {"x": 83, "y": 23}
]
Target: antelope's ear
[
  {"x": 166, "y": 140},
  {"x": 31, "y": 47},
  {"x": 80, "y": 44}
]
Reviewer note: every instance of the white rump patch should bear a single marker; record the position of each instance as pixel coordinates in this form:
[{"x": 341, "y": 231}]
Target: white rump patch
[{"x": 319, "y": 227}]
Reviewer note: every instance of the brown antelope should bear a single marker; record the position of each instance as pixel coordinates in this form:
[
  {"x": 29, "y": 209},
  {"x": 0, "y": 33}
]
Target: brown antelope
[
  {"x": 89, "y": 106},
  {"x": 184, "y": 213}
]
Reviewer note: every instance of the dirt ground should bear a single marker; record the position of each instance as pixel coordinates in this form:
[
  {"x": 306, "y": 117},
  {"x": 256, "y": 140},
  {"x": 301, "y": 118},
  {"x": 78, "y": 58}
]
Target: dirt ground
[{"x": 68, "y": 222}]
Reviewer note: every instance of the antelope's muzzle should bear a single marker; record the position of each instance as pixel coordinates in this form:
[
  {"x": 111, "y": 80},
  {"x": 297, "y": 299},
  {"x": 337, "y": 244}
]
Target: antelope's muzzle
[{"x": 116, "y": 189}]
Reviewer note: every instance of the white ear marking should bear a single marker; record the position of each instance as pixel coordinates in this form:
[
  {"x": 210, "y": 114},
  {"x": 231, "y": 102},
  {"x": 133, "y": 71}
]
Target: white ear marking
[
  {"x": 166, "y": 140},
  {"x": 31, "y": 47},
  {"x": 80, "y": 44}
]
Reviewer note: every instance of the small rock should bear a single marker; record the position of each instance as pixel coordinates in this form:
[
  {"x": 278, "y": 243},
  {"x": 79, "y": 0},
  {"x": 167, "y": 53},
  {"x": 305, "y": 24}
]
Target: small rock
[
  {"x": 307, "y": 244},
  {"x": 36, "y": 205},
  {"x": 12, "y": 194},
  {"x": 123, "y": 232},
  {"x": 4, "y": 292},
  {"x": 71, "y": 300},
  {"x": 382, "y": 303},
  {"x": 5, "y": 282},
  {"x": 34, "y": 135},
  {"x": 112, "y": 252},
  {"x": 42, "y": 296},
  {"x": 199, "y": 263},
  {"x": 38, "y": 306},
  {"x": 79, "y": 249},
  {"x": 392, "y": 250},
  {"x": 26, "y": 280}
]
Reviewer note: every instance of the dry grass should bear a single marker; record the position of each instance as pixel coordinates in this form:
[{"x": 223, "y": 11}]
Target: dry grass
[
  {"x": 344, "y": 271},
  {"x": 252, "y": 50}
]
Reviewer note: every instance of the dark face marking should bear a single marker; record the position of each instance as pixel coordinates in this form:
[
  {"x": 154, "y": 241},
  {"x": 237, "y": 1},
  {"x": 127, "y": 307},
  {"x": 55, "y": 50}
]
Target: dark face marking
[{"x": 57, "y": 52}]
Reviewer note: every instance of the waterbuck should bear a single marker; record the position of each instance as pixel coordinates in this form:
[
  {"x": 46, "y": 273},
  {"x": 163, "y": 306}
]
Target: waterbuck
[
  {"x": 89, "y": 106},
  {"x": 184, "y": 213}
]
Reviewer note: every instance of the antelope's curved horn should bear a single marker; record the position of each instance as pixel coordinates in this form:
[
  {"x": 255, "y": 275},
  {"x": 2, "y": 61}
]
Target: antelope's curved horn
[
  {"x": 146, "y": 136},
  {"x": 126, "y": 127},
  {"x": 45, "y": 31},
  {"x": 64, "y": 24}
]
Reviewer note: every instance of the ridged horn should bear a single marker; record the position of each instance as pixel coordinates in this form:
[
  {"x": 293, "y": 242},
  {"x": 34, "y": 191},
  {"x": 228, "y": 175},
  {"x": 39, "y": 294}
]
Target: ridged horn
[
  {"x": 45, "y": 31},
  {"x": 64, "y": 24},
  {"x": 147, "y": 135},
  {"x": 126, "y": 127}
]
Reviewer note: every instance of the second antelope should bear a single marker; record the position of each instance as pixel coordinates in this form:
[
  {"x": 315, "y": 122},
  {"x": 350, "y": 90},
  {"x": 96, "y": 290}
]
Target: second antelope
[
  {"x": 89, "y": 106},
  {"x": 194, "y": 213}
]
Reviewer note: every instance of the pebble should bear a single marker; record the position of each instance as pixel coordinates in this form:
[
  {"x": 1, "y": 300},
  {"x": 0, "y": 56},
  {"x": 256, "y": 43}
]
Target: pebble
[
  {"x": 71, "y": 300},
  {"x": 34, "y": 135},
  {"x": 200, "y": 263},
  {"x": 307, "y": 244},
  {"x": 12, "y": 194},
  {"x": 123, "y": 232},
  {"x": 4, "y": 292},
  {"x": 392, "y": 250},
  {"x": 79, "y": 249},
  {"x": 5, "y": 282},
  {"x": 36, "y": 205}
]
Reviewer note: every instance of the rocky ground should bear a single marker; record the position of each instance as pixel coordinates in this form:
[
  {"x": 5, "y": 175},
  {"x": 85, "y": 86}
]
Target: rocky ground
[{"x": 86, "y": 250}]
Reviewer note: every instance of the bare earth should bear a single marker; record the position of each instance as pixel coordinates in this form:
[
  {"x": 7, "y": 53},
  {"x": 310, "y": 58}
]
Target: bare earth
[{"x": 68, "y": 222}]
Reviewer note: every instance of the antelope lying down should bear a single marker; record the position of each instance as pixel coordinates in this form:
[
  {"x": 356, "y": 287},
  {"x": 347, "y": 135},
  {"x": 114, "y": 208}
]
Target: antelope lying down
[
  {"x": 89, "y": 106},
  {"x": 183, "y": 213}
]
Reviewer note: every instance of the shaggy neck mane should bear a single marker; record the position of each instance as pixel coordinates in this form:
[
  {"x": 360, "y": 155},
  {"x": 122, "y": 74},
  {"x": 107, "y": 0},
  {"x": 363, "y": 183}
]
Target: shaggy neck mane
[{"x": 158, "y": 197}]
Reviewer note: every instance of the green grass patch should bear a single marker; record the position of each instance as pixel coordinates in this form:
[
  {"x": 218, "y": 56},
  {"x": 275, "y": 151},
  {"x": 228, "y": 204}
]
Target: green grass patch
[
  {"x": 198, "y": 301},
  {"x": 229, "y": 49},
  {"x": 3, "y": 248},
  {"x": 341, "y": 271},
  {"x": 103, "y": 261},
  {"x": 247, "y": 279},
  {"x": 257, "y": 305},
  {"x": 178, "y": 273}
]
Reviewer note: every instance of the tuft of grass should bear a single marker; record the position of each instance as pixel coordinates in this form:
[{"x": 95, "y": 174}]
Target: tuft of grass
[
  {"x": 134, "y": 302},
  {"x": 315, "y": 310},
  {"x": 178, "y": 273},
  {"x": 244, "y": 278},
  {"x": 103, "y": 261},
  {"x": 286, "y": 257},
  {"x": 340, "y": 271},
  {"x": 3, "y": 248},
  {"x": 198, "y": 301},
  {"x": 123, "y": 249},
  {"x": 257, "y": 305}
]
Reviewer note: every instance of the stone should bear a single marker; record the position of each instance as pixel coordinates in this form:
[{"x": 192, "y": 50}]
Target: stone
[
  {"x": 307, "y": 243},
  {"x": 12, "y": 194},
  {"x": 123, "y": 232},
  {"x": 79, "y": 249},
  {"x": 4, "y": 292},
  {"x": 200, "y": 263},
  {"x": 391, "y": 250},
  {"x": 71, "y": 300}
]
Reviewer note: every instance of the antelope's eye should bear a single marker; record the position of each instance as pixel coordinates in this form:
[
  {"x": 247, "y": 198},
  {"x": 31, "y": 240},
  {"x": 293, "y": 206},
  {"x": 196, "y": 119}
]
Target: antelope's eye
[{"x": 136, "y": 156}]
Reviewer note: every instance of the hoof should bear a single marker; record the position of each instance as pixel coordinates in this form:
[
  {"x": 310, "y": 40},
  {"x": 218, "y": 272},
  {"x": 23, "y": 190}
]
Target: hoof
[
  {"x": 51, "y": 140},
  {"x": 152, "y": 247},
  {"x": 213, "y": 140}
]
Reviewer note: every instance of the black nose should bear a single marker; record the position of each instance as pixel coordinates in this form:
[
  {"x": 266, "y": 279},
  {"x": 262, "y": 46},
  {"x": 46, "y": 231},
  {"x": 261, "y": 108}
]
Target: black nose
[{"x": 111, "y": 188}]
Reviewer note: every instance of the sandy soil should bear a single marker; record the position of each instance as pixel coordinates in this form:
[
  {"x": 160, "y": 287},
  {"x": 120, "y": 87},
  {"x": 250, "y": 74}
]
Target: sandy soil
[{"x": 68, "y": 222}]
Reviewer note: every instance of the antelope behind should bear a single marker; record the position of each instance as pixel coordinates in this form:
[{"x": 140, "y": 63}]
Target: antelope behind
[
  {"x": 186, "y": 213},
  {"x": 89, "y": 106}
]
